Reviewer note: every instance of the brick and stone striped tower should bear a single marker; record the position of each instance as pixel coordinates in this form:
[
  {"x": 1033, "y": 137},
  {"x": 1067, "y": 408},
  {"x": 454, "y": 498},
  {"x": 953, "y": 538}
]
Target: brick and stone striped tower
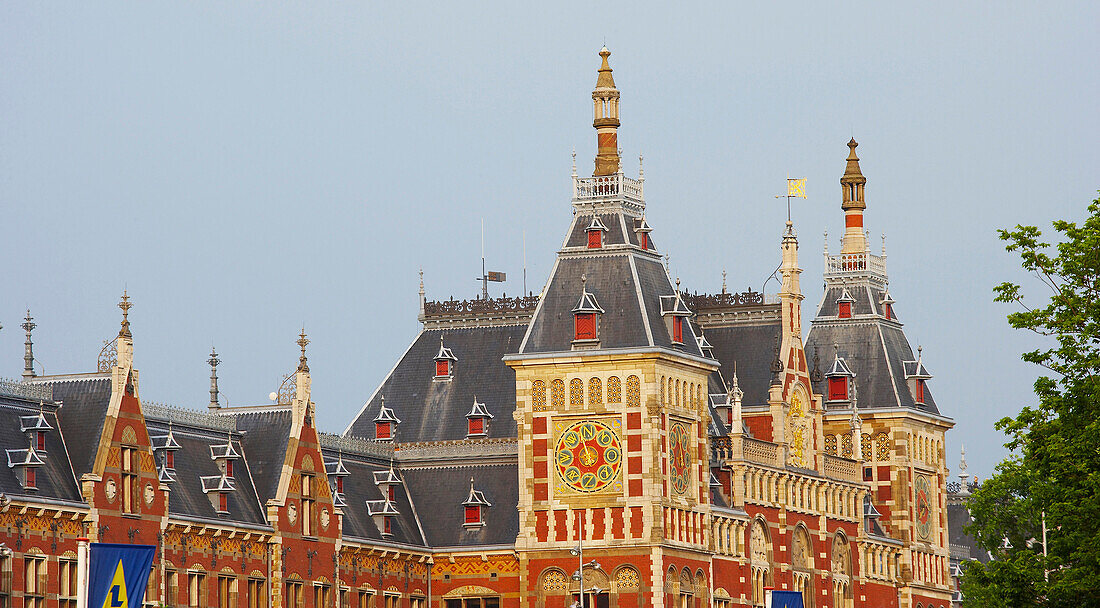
[{"x": 605, "y": 99}]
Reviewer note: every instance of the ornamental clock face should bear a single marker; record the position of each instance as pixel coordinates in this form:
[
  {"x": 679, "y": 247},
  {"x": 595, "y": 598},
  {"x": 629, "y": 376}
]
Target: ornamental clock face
[
  {"x": 588, "y": 456},
  {"x": 679, "y": 457},
  {"x": 923, "y": 507}
]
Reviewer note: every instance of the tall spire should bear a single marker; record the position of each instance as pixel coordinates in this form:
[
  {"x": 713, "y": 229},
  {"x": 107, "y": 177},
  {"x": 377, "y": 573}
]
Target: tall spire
[
  {"x": 214, "y": 361},
  {"x": 791, "y": 291},
  {"x": 125, "y": 346},
  {"x": 605, "y": 100},
  {"x": 853, "y": 203},
  {"x": 28, "y": 351}
]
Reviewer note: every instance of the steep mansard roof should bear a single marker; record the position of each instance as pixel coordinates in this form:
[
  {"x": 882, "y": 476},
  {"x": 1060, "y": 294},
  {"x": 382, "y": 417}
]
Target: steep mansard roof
[
  {"x": 84, "y": 400},
  {"x": 627, "y": 282},
  {"x": 750, "y": 349},
  {"x": 266, "y": 435},
  {"x": 193, "y": 461},
  {"x": 433, "y": 409},
  {"x": 438, "y": 493},
  {"x": 55, "y": 477},
  {"x": 873, "y": 347}
]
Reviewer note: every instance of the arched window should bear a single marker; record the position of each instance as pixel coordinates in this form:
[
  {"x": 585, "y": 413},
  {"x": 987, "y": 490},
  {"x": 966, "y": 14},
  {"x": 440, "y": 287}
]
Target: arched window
[
  {"x": 614, "y": 390},
  {"x": 802, "y": 562},
  {"x": 538, "y": 395},
  {"x": 595, "y": 392},
  {"x": 760, "y": 560},
  {"x": 841, "y": 566},
  {"x": 576, "y": 392}
]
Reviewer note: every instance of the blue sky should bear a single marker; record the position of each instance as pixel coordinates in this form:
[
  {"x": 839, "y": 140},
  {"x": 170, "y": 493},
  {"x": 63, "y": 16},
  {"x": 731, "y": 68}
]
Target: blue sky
[{"x": 244, "y": 169}]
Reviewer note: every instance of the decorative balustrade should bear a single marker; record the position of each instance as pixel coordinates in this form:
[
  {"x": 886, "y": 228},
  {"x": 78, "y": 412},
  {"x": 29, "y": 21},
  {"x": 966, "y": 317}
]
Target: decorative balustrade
[
  {"x": 502, "y": 305},
  {"x": 855, "y": 264},
  {"x": 760, "y": 452},
  {"x": 179, "y": 415},
  {"x": 841, "y": 469},
  {"x": 431, "y": 450},
  {"x": 703, "y": 301},
  {"x": 607, "y": 186},
  {"x": 34, "y": 392}
]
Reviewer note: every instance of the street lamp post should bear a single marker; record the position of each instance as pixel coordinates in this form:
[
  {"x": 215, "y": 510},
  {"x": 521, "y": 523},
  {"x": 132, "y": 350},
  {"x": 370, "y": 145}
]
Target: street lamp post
[{"x": 579, "y": 574}]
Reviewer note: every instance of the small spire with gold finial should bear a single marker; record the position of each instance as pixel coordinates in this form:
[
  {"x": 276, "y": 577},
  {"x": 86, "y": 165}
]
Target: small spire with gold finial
[
  {"x": 605, "y": 100},
  {"x": 125, "y": 305},
  {"x": 852, "y": 184},
  {"x": 303, "y": 341}
]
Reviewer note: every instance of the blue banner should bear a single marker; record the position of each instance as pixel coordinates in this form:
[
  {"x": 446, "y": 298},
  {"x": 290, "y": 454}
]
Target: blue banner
[
  {"x": 118, "y": 575},
  {"x": 786, "y": 599}
]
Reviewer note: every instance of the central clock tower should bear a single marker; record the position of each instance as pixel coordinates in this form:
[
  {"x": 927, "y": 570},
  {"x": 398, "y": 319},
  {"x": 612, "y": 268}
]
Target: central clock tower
[{"x": 611, "y": 409}]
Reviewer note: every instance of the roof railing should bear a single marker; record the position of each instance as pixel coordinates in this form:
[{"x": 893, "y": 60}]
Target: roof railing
[
  {"x": 608, "y": 187},
  {"x": 179, "y": 415},
  {"x": 33, "y": 392},
  {"x": 855, "y": 264}
]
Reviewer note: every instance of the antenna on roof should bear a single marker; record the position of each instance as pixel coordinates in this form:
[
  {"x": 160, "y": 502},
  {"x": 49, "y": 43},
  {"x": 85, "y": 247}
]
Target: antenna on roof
[
  {"x": 524, "y": 263},
  {"x": 496, "y": 277}
]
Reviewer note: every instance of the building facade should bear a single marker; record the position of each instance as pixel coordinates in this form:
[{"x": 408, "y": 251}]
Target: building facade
[{"x": 613, "y": 439}]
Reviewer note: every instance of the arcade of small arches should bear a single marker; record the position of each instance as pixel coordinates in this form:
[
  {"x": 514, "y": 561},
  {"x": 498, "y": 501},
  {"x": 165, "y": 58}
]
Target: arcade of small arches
[{"x": 595, "y": 394}]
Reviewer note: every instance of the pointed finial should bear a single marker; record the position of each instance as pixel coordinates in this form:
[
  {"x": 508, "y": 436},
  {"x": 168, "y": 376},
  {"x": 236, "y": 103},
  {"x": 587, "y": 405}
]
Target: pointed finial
[
  {"x": 641, "y": 168},
  {"x": 303, "y": 341},
  {"x": 28, "y": 351},
  {"x": 883, "y": 244},
  {"x": 724, "y": 280},
  {"x": 920, "y": 349},
  {"x": 826, "y": 235},
  {"x": 677, "y": 284},
  {"x": 815, "y": 374},
  {"x": 125, "y": 305},
  {"x": 667, "y": 257},
  {"x": 213, "y": 361},
  {"x": 574, "y": 162}
]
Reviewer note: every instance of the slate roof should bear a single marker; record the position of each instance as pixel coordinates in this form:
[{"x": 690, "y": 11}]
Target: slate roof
[
  {"x": 750, "y": 349},
  {"x": 193, "y": 461},
  {"x": 875, "y": 351},
  {"x": 55, "y": 477},
  {"x": 84, "y": 400},
  {"x": 439, "y": 492},
  {"x": 266, "y": 434},
  {"x": 958, "y": 517},
  {"x": 435, "y": 410},
  {"x": 360, "y": 487}
]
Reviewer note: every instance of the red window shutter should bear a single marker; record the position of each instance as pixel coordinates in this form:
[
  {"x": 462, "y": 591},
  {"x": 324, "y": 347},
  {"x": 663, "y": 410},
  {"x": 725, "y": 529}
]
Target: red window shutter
[
  {"x": 475, "y": 426},
  {"x": 889, "y": 312},
  {"x": 473, "y": 514},
  {"x": 920, "y": 390},
  {"x": 643, "y": 239},
  {"x": 170, "y": 459},
  {"x": 442, "y": 368},
  {"x": 387, "y": 524},
  {"x": 381, "y": 430},
  {"x": 585, "y": 324},
  {"x": 677, "y": 329},
  {"x": 838, "y": 389},
  {"x": 340, "y": 485},
  {"x": 229, "y": 468},
  {"x": 32, "y": 477},
  {"x": 845, "y": 310},
  {"x": 223, "y": 501},
  {"x": 41, "y": 441},
  {"x": 390, "y": 493},
  {"x": 595, "y": 239}
]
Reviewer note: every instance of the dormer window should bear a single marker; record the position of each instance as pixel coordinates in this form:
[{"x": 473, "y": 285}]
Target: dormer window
[
  {"x": 223, "y": 502},
  {"x": 642, "y": 229},
  {"x": 36, "y": 427},
  {"x": 170, "y": 459},
  {"x": 382, "y": 512},
  {"x": 229, "y": 468},
  {"x": 384, "y": 423},
  {"x": 839, "y": 376},
  {"x": 473, "y": 508},
  {"x": 916, "y": 375},
  {"x": 477, "y": 421},
  {"x": 224, "y": 454},
  {"x": 675, "y": 311},
  {"x": 25, "y": 463},
  {"x": 444, "y": 362},
  {"x": 387, "y": 481},
  {"x": 217, "y": 489},
  {"x": 167, "y": 446},
  {"x": 595, "y": 232},
  {"x": 391, "y": 493},
  {"x": 586, "y": 322},
  {"x": 844, "y": 305},
  {"x": 336, "y": 473},
  {"x": 887, "y": 306}
]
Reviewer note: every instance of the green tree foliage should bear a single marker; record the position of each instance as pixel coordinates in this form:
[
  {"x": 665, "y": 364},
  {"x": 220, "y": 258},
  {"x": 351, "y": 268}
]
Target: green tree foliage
[{"x": 1054, "y": 467}]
